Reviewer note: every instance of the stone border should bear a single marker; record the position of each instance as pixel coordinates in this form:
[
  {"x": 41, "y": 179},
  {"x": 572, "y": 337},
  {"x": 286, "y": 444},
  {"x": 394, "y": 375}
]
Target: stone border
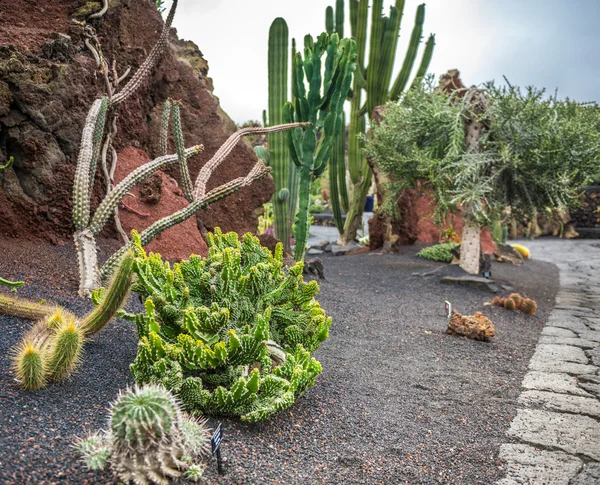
[{"x": 557, "y": 426}]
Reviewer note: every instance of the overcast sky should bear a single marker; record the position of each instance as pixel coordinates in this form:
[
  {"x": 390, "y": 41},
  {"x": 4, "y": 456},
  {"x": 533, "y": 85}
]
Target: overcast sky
[{"x": 546, "y": 43}]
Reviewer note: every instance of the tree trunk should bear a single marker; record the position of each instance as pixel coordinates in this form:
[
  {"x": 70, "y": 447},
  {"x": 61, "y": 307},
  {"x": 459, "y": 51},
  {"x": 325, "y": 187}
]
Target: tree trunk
[{"x": 470, "y": 247}]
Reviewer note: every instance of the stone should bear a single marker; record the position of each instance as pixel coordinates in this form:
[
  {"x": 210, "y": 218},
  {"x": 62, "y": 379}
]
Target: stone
[
  {"x": 594, "y": 355},
  {"x": 569, "y": 322},
  {"x": 565, "y": 353},
  {"x": 528, "y": 465},
  {"x": 562, "y": 367},
  {"x": 314, "y": 252},
  {"x": 589, "y": 475},
  {"x": 476, "y": 282},
  {"x": 590, "y": 335},
  {"x": 571, "y": 433},
  {"x": 576, "y": 342},
  {"x": 553, "y": 401},
  {"x": 558, "y": 332},
  {"x": 552, "y": 381}
]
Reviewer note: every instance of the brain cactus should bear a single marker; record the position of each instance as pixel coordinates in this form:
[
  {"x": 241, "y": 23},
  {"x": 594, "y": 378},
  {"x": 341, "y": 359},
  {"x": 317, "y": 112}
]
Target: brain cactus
[
  {"x": 230, "y": 334},
  {"x": 528, "y": 306},
  {"x": 149, "y": 439}
]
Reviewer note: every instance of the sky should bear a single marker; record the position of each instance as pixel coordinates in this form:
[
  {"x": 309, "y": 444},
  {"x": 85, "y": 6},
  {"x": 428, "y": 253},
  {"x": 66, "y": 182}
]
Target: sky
[{"x": 545, "y": 43}]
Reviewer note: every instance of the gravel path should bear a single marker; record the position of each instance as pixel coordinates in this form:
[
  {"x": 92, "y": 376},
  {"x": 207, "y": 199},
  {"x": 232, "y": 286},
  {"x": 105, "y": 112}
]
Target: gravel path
[
  {"x": 556, "y": 432},
  {"x": 399, "y": 401}
]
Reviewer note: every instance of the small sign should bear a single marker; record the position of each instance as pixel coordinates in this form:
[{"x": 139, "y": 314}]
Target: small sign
[
  {"x": 487, "y": 274},
  {"x": 448, "y": 308},
  {"x": 215, "y": 443}
]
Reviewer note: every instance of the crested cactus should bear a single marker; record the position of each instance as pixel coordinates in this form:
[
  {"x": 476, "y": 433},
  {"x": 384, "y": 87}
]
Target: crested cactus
[
  {"x": 321, "y": 105},
  {"x": 149, "y": 440},
  {"x": 51, "y": 349},
  {"x": 231, "y": 334}
]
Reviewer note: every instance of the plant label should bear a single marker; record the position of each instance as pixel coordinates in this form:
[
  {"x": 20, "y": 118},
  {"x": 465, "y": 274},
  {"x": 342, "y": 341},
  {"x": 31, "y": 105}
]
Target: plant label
[
  {"x": 215, "y": 443},
  {"x": 448, "y": 308}
]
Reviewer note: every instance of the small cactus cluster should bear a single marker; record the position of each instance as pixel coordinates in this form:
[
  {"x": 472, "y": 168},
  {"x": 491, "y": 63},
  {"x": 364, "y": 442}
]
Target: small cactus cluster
[
  {"x": 149, "y": 439},
  {"x": 231, "y": 334},
  {"x": 51, "y": 349},
  {"x": 516, "y": 302}
]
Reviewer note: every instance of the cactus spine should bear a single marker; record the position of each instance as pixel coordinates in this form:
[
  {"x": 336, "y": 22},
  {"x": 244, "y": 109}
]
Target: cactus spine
[
  {"x": 321, "y": 105},
  {"x": 278, "y": 151},
  {"x": 382, "y": 52},
  {"x": 149, "y": 440}
]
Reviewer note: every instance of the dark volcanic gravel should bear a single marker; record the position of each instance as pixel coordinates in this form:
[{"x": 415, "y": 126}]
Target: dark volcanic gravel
[{"x": 399, "y": 401}]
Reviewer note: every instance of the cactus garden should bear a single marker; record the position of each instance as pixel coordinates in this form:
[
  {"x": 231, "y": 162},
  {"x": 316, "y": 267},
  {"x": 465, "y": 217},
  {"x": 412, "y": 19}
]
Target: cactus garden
[{"x": 324, "y": 258}]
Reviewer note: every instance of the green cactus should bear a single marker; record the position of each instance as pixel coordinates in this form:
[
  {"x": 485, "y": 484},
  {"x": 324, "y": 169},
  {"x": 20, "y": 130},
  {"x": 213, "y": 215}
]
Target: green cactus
[
  {"x": 149, "y": 441},
  {"x": 11, "y": 284},
  {"x": 321, "y": 105},
  {"x": 29, "y": 367},
  {"x": 8, "y": 164},
  {"x": 231, "y": 334},
  {"x": 528, "y": 306},
  {"x": 384, "y": 34},
  {"x": 279, "y": 156}
]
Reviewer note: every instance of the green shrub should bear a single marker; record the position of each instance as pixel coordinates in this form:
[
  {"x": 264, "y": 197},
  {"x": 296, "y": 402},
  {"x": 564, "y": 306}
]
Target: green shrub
[
  {"x": 438, "y": 252},
  {"x": 316, "y": 209},
  {"x": 230, "y": 334}
]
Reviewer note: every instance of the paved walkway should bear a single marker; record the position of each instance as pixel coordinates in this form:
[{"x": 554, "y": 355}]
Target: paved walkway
[{"x": 557, "y": 426}]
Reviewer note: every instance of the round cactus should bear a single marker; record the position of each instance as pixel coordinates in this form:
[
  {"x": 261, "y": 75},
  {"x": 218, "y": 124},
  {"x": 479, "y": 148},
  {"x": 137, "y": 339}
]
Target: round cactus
[
  {"x": 497, "y": 301},
  {"x": 528, "y": 306},
  {"x": 510, "y": 304},
  {"x": 517, "y": 298}
]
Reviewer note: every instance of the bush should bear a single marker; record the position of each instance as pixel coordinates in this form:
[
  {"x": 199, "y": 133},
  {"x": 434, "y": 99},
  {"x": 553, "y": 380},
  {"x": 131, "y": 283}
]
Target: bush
[
  {"x": 230, "y": 334},
  {"x": 438, "y": 252},
  {"x": 316, "y": 209}
]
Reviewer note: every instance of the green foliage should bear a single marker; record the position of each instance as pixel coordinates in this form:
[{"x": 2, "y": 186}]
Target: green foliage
[
  {"x": 12, "y": 284},
  {"x": 230, "y": 334},
  {"x": 535, "y": 153},
  {"x": 8, "y": 164},
  {"x": 438, "y": 252},
  {"x": 265, "y": 221},
  {"x": 149, "y": 440},
  {"x": 316, "y": 209},
  {"x": 328, "y": 66},
  {"x": 160, "y": 6}
]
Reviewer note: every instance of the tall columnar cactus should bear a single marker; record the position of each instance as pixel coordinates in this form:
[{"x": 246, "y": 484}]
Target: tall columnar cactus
[
  {"x": 51, "y": 349},
  {"x": 279, "y": 156},
  {"x": 374, "y": 75},
  {"x": 230, "y": 334},
  {"x": 149, "y": 439},
  {"x": 321, "y": 105}
]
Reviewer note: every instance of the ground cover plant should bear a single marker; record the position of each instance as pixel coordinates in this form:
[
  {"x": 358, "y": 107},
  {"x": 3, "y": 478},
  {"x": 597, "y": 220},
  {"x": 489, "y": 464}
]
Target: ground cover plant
[
  {"x": 439, "y": 252},
  {"x": 230, "y": 334}
]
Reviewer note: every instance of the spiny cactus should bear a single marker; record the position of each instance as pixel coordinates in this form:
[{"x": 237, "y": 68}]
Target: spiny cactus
[
  {"x": 497, "y": 301},
  {"x": 95, "y": 142},
  {"x": 329, "y": 81},
  {"x": 510, "y": 304},
  {"x": 528, "y": 306},
  {"x": 149, "y": 440},
  {"x": 230, "y": 334},
  {"x": 517, "y": 298},
  {"x": 51, "y": 349}
]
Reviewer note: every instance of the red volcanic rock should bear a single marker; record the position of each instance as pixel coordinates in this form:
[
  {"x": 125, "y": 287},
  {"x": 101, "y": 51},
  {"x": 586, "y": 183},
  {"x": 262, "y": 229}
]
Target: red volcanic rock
[{"x": 177, "y": 242}]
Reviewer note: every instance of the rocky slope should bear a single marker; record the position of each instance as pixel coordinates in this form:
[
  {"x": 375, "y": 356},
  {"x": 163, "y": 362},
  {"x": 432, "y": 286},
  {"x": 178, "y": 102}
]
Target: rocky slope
[{"x": 48, "y": 80}]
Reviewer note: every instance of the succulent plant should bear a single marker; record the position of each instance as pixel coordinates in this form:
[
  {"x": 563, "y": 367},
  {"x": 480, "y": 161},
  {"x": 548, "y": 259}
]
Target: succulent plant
[
  {"x": 510, "y": 304},
  {"x": 438, "y": 252},
  {"x": 497, "y": 301},
  {"x": 528, "y": 306},
  {"x": 517, "y": 298},
  {"x": 230, "y": 334},
  {"x": 149, "y": 439}
]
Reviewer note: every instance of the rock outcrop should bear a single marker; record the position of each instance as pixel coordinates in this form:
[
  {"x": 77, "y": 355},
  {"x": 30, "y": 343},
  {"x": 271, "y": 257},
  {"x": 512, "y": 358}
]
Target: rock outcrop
[{"x": 48, "y": 80}]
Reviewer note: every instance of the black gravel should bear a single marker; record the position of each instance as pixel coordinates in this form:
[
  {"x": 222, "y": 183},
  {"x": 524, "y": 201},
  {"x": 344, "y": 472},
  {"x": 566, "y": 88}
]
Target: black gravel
[{"x": 399, "y": 401}]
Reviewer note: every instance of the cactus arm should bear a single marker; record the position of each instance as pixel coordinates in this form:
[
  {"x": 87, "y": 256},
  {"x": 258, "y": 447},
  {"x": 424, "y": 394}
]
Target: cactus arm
[
  {"x": 144, "y": 71},
  {"x": 293, "y": 175},
  {"x": 186, "y": 181},
  {"x": 97, "y": 141},
  {"x": 18, "y": 307},
  {"x": 329, "y": 22},
  {"x": 387, "y": 56},
  {"x": 228, "y": 146},
  {"x": 263, "y": 154},
  {"x": 425, "y": 61},
  {"x": 82, "y": 189},
  {"x": 339, "y": 18},
  {"x": 8, "y": 164},
  {"x": 302, "y": 221},
  {"x": 375, "y": 61},
  {"x": 337, "y": 165},
  {"x": 164, "y": 128},
  {"x": 87, "y": 261},
  {"x": 114, "y": 298},
  {"x": 411, "y": 55},
  {"x": 163, "y": 224},
  {"x": 113, "y": 198},
  {"x": 11, "y": 284}
]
